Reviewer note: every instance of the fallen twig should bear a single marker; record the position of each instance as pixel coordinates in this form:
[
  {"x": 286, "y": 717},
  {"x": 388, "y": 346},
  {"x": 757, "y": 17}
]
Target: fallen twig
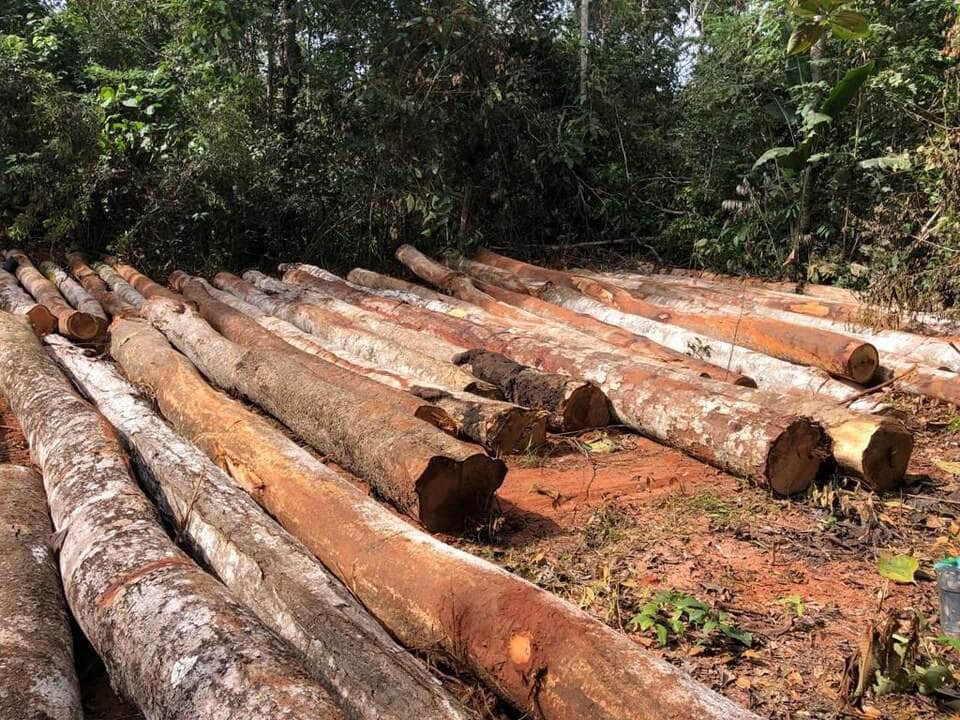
[{"x": 876, "y": 388}]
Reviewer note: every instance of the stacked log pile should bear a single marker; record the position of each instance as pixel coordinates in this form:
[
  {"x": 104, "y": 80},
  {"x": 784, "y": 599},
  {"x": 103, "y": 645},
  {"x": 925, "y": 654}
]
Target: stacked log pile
[{"x": 417, "y": 392}]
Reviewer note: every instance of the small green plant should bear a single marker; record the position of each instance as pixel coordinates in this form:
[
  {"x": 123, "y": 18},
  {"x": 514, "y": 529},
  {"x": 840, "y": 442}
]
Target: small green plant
[
  {"x": 677, "y": 615},
  {"x": 795, "y": 602},
  {"x": 954, "y": 424}
]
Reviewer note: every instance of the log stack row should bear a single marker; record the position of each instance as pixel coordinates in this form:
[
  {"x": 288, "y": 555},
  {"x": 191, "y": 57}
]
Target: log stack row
[{"x": 418, "y": 393}]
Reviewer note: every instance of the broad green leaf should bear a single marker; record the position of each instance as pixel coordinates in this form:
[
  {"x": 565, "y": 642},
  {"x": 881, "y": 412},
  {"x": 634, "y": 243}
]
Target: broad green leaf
[
  {"x": 846, "y": 90},
  {"x": 803, "y": 37},
  {"x": 817, "y": 157},
  {"x": 741, "y": 636},
  {"x": 951, "y": 467},
  {"x": 899, "y": 568},
  {"x": 805, "y": 8},
  {"x": 849, "y": 25},
  {"x": 811, "y": 119},
  {"x": 773, "y": 154},
  {"x": 661, "y": 631}
]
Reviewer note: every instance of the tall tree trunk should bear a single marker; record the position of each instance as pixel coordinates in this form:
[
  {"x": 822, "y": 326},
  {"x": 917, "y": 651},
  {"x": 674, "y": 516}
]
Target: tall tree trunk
[
  {"x": 438, "y": 480},
  {"x": 584, "y": 48},
  {"x": 835, "y": 353},
  {"x": 267, "y": 569},
  {"x": 70, "y": 322},
  {"x": 542, "y": 654},
  {"x": 172, "y": 638},
  {"x": 13, "y": 299},
  {"x": 758, "y": 441},
  {"x": 37, "y": 676}
]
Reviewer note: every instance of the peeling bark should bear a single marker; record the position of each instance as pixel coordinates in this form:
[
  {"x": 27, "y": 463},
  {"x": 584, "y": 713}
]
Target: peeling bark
[
  {"x": 771, "y": 446},
  {"x": 542, "y": 654},
  {"x": 37, "y": 676},
  {"x": 268, "y": 570},
  {"x": 835, "y": 353},
  {"x": 70, "y": 322},
  {"x": 13, "y": 299},
  {"x": 431, "y": 476},
  {"x": 74, "y": 293},
  {"x": 97, "y": 288},
  {"x": 244, "y": 330},
  {"x": 118, "y": 285},
  {"x": 172, "y": 638},
  {"x": 376, "y": 341}
]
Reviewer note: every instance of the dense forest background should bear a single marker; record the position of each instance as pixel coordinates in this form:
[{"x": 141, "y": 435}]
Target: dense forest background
[{"x": 816, "y": 138}]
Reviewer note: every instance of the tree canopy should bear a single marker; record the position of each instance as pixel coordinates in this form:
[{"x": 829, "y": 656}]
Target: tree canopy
[{"x": 783, "y": 137}]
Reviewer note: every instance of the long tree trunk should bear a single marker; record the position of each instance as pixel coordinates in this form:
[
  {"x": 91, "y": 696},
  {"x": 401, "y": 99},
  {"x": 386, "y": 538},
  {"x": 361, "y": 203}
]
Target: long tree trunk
[
  {"x": 835, "y": 353},
  {"x": 244, "y": 330},
  {"x": 70, "y": 322},
  {"x": 267, "y": 569},
  {"x": 571, "y": 403},
  {"x": 74, "y": 293},
  {"x": 641, "y": 346},
  {"x": 97, "y": 288},
  {"x": 438, "y": 480},
  {"x": 542, "y": 654},
  {"x": 825, "y": 292},
  {"x": 14, "y": 300},
  {"x": 140, "y": 282},
  {"x": 37, "y": 676},
  {"x": 759, "y": 441},
  {"x": 414, "y": 354},
  {"x": 172, "y": 638},
  {"x": 932, "y": 351},
  {"x": 121, "y": 288},
  {"x": 502, "y": 427}
]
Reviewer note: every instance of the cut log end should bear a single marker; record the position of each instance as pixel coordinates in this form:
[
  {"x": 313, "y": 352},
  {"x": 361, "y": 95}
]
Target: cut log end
[
  {"x": 452, "y": 493},
  {"x": 519, "y": 431},
  {"x": 80, "y": 325},
  {"x": 795, "y": 457},
  {"x": 484, "y": 389},
  {"x": 863, "y": 363},
  {"x": 886, "y": 456},
  {"x": 438, "y": 418},
  {"x": 744, "y": 381},
  {"x": 586, "y": 406},
  {"x": 41, "y": 320}
]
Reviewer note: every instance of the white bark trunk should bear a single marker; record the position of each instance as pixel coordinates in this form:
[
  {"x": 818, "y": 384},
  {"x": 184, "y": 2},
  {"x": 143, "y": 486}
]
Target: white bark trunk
[
  {"x": 15, "y": 300},
  {"x": 73, "y": 292},
  {"x": 268, "y": 570},
  {"x": 121, "y": 287},
  {"x": 172, "y": 638}
]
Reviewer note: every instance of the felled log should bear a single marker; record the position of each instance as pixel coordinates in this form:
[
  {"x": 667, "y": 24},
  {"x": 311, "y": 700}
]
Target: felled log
[
  {"x": 764, "y": 442},
  {"x": 425, "y": 473},
  {"x": 540, "y": 653},
  {"x": 637, "y": 344},
  {"x": 14, "y": 300},
  {"x": 571, "y": 402},
  {"x": 837, "y": 354},
  {"x": 74, "y": 293},
  {"x": 502, "y": 427},
  {"x": 268, "y": 570},
  {"x": 172, "y": 638},
  {"x": 111, "y": 302},
  {"x": 70, "y": 322},
  {"x": 827, "y": 292},
  {"x": 244, "y": 330},
  {"x": 37, "y": 676},
  {"x": 121, "y": 288},
  {"x": 140, "y": 282}
]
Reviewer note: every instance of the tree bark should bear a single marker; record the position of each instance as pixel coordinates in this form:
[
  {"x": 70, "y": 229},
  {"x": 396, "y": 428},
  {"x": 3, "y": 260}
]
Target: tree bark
[
  {"x": 140, "y": 282},
  {"x": 430, "y": 476},
  {"x": 502, "y": 427},
  {"x": 111, "y": 302},
  {"x": 121, "y": 288},
  {"x": 74, "y": 293},
  {"x": 37, "y": 676},
  {"x": 772, "y": 447},
  {"x": 835, "y": 353},
  {"x": 244, "y": 330},
  {"x": 408, "y": 352},
  {"x": 564, "y": 320},
  {"x": 268, "y": 570},
  {"x": 540, "y": 653},
  {"x": 571, "y": 403},
  {"x": 825, "y": 292},
  {"x": 70, "y": 322},
  {"x": 172, "y": 638},
  {"x": 13, "y": 299}
]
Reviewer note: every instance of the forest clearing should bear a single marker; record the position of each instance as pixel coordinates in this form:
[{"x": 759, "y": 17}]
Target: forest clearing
[{"x": 720, "y": 531}]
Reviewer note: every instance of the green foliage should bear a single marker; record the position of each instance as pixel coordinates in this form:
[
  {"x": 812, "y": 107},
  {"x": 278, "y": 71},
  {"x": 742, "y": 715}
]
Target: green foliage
[{"x": 673, "y": 615}]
